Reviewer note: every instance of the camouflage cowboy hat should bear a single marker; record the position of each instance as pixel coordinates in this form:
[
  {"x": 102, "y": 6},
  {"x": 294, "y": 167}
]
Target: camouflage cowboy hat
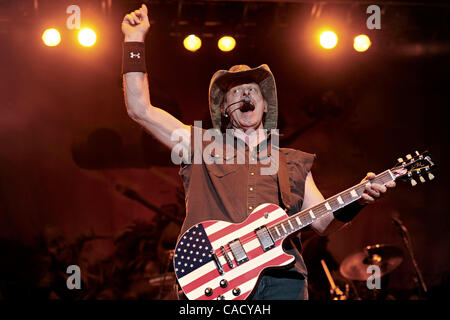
[{"x": 261, "y": 75}]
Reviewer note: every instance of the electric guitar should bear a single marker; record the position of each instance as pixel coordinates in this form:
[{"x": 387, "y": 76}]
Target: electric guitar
[{"x": 219, "y": 260}]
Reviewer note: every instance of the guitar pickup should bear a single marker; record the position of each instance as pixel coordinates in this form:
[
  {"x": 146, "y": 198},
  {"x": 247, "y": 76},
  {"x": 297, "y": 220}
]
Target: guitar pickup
[
  {"x": 238, "y": 251},
  {"x": 264, "y": 237}
]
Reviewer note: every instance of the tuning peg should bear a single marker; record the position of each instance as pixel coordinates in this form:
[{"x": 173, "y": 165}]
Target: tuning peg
[
  {"x": 413, "y": 182},
  {"x": 408, "y": 157},
  {"x": 430, "y": 176},
  {"x": 400, "y": 160},
  {"x": 422, "y": 179}
]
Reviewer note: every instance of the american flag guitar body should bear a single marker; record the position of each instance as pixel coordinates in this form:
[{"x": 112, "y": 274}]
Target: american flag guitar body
[{"x": 223, "y": 260}]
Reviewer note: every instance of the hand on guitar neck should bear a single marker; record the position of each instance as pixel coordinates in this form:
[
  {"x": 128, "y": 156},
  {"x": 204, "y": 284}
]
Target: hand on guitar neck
[{"x": 373, "y": 191}]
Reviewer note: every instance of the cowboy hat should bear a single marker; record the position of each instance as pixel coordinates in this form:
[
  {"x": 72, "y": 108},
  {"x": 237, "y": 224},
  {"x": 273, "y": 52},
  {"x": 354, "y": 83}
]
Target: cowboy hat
[{"x": 261, "y": 75}]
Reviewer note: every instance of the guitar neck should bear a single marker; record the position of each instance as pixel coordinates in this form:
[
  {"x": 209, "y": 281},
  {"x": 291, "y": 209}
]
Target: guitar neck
[{"x": 304, "y": 218}]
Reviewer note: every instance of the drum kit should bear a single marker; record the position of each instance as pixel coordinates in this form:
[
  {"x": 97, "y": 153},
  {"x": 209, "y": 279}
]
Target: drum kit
[
  {"x": 374, "y": 264},
  {"x": 386, "y": 258},
  {"x": 362, "y": 268}
]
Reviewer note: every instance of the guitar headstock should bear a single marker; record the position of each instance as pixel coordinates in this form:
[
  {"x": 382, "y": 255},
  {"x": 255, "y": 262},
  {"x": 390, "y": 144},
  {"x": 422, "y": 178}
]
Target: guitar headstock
[{"x": 419, "y": 166}]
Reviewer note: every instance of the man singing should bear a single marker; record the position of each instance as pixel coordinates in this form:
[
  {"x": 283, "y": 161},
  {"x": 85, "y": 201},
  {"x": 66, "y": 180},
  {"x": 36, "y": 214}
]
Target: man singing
[{"x": 243, "y": 106}]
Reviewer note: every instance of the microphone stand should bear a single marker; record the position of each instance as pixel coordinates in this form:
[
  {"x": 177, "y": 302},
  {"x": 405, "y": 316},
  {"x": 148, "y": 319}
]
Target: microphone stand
[{"x": 406, "y": 241}]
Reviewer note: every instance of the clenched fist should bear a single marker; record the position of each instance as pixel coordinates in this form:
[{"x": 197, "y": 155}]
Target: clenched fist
[{"x": 136, "y": 24}]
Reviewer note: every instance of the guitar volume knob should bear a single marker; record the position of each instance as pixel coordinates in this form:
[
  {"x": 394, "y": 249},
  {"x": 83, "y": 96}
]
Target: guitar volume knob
[
  {"x": 236, "y": 291},
  {"x": 208, "y": 292},
  {"x": 223, "y": 283}
]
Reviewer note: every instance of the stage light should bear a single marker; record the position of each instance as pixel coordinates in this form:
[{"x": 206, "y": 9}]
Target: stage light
[
  {"x": 51, "y": 37},
  {"x": 328, "y": 39},
  {"x": 226, "y": 43},
  {"x": 361, "y": 43},
  {"x": 192, "y": 43},
  {"x": 87, "y": 37}
]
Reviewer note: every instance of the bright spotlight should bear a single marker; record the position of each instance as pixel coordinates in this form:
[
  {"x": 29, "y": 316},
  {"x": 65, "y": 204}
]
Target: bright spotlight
[
  {"x": 51, "y": 37},
  {"x": 192, "y": 43},
  {"x": 227, "y": 43},
  {"x": 328, "y": 39},
  {"x": 361, "y": 43},
  {"x": 87, "y": 37}
]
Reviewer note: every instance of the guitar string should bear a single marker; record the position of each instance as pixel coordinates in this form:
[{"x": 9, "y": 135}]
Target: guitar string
[
  {"x": 321, "y": 211},
  {"x": 319, "y": 214}
]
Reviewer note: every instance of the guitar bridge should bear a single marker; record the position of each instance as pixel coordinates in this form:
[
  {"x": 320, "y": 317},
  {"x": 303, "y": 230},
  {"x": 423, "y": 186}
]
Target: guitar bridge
[{"x": 238, "y": 251}]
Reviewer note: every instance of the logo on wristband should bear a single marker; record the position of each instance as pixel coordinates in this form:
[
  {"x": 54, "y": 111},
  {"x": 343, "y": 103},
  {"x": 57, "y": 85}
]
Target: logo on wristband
[{"x": 135, "y": 55}]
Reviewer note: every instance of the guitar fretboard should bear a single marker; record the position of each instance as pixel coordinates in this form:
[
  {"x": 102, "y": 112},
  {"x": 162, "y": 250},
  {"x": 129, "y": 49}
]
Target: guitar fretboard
[{"x": 336, "y": 202}]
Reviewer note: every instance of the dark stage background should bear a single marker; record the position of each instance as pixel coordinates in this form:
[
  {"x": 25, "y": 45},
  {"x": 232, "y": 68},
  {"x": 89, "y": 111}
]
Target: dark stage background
[{"x": 69, "y": 152}]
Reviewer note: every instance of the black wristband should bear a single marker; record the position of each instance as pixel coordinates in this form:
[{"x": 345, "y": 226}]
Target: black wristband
[
  {"x": 350, "y": 211},
  {"x": 133, "y": 58}
]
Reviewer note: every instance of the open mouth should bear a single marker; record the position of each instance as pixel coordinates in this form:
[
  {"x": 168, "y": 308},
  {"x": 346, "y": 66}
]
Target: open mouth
[{"x": 247, "y": 107}]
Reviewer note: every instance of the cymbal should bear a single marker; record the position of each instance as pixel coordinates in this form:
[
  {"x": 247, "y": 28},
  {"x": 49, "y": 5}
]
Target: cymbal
[{"x": 387, "y": 258}]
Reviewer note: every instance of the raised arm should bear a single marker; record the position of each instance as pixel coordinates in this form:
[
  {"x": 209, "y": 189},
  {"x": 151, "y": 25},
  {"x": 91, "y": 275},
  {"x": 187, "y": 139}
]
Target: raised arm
[{"x": 156, "y": 121}]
